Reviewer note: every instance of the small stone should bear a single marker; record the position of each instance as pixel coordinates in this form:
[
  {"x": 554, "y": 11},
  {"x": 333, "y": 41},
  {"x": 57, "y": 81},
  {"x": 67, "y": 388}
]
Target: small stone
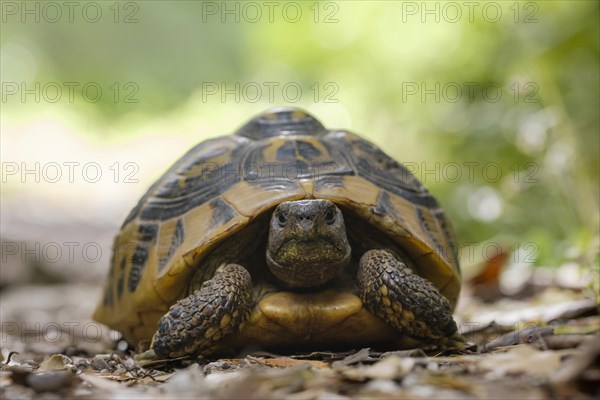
[
  {"x": 98, "y": 364},
  {"x": 129, "y": 362},
  {"x": 50, "y": 381},
  {"x": 83, "y": 365}
]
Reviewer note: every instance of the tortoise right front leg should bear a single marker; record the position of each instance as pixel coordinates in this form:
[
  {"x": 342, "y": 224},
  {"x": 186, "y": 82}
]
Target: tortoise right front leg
[{"x": 197, "y": 323}]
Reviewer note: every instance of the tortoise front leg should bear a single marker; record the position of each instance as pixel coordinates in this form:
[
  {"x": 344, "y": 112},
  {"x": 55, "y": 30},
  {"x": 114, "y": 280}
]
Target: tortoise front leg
[
  {"x": 406, "y": 301},
  {"x": 195, "y": 324}
]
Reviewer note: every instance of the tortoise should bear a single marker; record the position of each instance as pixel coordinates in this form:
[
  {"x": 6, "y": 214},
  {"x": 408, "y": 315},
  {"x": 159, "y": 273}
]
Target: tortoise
[{"x": 283, "y": 235}]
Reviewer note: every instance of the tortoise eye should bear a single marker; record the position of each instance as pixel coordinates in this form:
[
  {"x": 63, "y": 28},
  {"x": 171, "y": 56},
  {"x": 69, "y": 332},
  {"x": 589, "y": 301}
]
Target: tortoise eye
[
  {"x": 330, "y": 217},
  {"x": 282, "y": 219}
]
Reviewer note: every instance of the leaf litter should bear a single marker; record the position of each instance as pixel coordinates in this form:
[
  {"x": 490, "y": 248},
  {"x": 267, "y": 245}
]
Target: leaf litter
[{"x": 543, "y": 346}]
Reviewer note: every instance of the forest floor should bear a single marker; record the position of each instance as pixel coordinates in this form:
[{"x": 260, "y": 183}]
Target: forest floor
[{"x": 543, "y": 342}]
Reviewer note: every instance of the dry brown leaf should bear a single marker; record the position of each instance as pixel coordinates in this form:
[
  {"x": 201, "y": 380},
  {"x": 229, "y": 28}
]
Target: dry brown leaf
[
  {"x": 452, "y": 382},
  {"x": 56, "y": 362},
  {"x": 359, "y": 356},
  {"x": 391, "y": 367},
  {"x": 531, "y": 334},
  {"x": 186, "y": 382},
  {"x": 580, "y": 326},
  {"x": 540, "y": 313},
  {"x": 285, "y": 362},
  {"x": 521, "y": 359},
  {"x": 100, "y": 382},
  {"x": 117, "y": 377},
  {"x": 414, "y": 353},
  {"x": 589, "y": 351},
  {"x": 148, "y": 379}
]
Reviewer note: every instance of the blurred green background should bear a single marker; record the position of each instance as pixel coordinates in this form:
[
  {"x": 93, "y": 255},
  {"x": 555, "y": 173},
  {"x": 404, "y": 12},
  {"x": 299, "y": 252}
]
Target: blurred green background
[{"x": 493, "y": 105}]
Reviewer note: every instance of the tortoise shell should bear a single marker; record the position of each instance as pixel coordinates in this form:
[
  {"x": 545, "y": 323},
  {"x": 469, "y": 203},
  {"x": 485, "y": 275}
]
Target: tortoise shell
[{"x": 222, "y": 185}]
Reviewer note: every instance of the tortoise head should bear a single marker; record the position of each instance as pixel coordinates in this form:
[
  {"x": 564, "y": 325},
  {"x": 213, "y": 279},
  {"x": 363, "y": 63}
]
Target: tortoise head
[{"x": 307, "y": 243}]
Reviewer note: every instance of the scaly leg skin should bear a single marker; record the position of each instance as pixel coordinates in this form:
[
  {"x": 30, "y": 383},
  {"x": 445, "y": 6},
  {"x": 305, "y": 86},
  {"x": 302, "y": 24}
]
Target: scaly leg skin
[
  {"x": 196, "y": 324},
  {"x": 406, "y": 301}
]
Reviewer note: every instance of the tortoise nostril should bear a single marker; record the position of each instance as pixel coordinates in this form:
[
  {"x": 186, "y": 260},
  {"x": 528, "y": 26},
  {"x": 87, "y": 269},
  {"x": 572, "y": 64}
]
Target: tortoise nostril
[{"x": 304, "y": 217}]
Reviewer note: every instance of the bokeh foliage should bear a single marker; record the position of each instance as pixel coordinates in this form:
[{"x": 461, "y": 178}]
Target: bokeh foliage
[{"x": 528, "y": 162}]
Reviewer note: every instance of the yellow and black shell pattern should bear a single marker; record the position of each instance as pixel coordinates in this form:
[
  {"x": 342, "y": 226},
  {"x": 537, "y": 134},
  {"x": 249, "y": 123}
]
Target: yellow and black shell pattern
[{"x": 223, "y": 184}]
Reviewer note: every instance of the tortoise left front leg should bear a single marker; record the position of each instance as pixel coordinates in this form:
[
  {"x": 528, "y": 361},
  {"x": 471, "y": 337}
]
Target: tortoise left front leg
[{"x": 406, "y": 301}]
